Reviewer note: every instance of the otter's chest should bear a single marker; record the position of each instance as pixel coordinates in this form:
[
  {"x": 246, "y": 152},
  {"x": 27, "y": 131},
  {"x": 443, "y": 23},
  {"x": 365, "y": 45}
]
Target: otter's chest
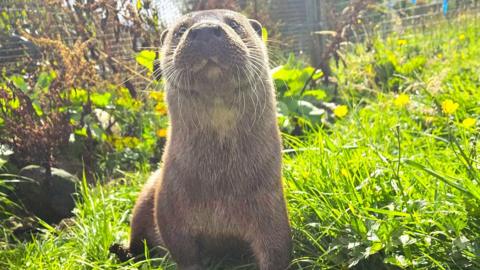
[
  {"x": 226, "y": 216},
  {"x": 222, "y": 119}
]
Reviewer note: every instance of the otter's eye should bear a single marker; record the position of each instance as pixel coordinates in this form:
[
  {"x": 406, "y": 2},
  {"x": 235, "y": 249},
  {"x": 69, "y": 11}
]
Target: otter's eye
[
  {"x": 234, "y": 25},
  {"x": 180, "y": 31}
]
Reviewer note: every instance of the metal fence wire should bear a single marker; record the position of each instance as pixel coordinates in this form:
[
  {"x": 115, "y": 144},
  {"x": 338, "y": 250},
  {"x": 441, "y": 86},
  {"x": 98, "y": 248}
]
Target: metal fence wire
[
  {"x": 303, "y": 20},
  {"x": 299, "y": 22}
]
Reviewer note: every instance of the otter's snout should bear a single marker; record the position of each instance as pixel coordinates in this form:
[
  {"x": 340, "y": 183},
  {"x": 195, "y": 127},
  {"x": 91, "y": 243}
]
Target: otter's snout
[
  {"x": 207, "y": 38},
  {"x": 206, "y": 33}
]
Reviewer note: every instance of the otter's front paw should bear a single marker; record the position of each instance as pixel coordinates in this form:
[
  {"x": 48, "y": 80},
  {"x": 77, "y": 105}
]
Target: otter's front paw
[{"x": 122, "y": 253}]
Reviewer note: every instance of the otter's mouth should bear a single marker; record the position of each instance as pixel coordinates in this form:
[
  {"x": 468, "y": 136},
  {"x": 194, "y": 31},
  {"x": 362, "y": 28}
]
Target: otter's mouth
[{"x": 207, "y": 64}]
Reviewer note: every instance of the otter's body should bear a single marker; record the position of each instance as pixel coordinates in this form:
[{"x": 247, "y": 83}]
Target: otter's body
[{"x": 220, "y": 186}]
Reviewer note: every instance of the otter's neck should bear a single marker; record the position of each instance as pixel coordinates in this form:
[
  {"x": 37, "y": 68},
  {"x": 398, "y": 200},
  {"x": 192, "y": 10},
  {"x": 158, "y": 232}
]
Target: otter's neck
[{"x": 241, "y": 111}]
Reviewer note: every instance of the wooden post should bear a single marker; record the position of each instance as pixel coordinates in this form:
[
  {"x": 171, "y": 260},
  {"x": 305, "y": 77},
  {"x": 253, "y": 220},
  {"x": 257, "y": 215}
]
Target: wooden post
[{"x": 317, "y": 21}]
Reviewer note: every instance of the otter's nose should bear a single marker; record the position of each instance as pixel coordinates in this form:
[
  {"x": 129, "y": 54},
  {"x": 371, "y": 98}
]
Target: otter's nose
[{"x": 206, "y": 33}]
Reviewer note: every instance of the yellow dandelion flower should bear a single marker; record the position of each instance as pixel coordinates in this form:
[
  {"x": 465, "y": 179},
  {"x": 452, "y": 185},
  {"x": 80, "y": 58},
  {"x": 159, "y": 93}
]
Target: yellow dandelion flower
[
  {"x": 440, "y": 56},
  {"x": 340, "y": 111},
  {"x": 469, "y": 122},
  {"x": 402, "y": 42},
  {"x": 158, "y": 96},
  {"x": 449, "y": 107},
  {"x": 344, "y": 172},
  {"x": 461, "y": 37},
  {"x": 402, "y": 100},
  {"x": 161, "y": 109},
  {"x": 162, "y": 133}
]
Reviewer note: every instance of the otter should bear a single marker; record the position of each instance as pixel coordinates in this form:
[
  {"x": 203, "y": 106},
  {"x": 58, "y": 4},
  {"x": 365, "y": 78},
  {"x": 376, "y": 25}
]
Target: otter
[{"x": 219, "y": 189}]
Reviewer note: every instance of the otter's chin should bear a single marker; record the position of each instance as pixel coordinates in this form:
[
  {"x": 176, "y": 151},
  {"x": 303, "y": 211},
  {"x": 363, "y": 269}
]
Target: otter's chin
[
  {"x": 210, "y": 69},
  {"x": 213, "y": 72}
]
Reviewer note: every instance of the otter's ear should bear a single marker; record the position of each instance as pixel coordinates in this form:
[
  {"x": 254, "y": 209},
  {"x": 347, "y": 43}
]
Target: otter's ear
[
  {"x": 163, "y": 36},
  {"x": 256, "y": 26}
]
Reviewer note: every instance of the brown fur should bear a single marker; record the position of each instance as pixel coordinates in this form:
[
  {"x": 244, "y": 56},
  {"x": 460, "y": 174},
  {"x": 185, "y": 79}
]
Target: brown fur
[{"x": 220, "y": 186}]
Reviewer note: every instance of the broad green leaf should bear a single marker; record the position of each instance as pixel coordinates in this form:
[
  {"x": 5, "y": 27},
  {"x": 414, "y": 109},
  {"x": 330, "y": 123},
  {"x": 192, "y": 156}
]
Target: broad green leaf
[
  {"x": 146, "y": 58},
  {"x": 316, "y": 93},
  {"x": 307, "y": 108}
]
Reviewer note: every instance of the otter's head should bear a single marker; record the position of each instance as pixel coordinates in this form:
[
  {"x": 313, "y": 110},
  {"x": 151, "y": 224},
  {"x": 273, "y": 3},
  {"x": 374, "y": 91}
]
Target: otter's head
[{"x": 212, "y": 49}]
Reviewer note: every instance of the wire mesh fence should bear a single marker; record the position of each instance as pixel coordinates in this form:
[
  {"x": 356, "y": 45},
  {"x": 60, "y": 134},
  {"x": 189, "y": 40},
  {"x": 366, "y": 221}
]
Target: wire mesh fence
[
  {"x": 301, "y": 23},
  {"x": 305, "y": 22}
]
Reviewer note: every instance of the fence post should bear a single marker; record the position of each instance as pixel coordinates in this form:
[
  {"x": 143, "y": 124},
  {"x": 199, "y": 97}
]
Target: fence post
[{"x": 316, "y": 18}]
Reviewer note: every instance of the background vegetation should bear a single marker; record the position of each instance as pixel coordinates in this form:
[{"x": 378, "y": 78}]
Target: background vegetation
[{"x": 381, "y": 162}]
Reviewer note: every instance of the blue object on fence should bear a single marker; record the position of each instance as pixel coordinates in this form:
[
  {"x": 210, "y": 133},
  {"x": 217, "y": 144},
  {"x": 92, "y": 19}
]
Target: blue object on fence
[
  {"x": 445, "y": 7},
  {"x": 414, "y": 2}
]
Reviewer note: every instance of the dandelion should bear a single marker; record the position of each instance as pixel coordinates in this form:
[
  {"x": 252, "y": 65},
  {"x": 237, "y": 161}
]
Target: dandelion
[
  {"x": 161, "y": 109},
  {"x": 344, "y": 172},
  {"x": 469, "y": 122},
  {"x": 449, "y": 107},
  {"x": 439, "y": 56},
  {"x": 402, "y": 42},
  {"x": 158, "y": 96},
  {"x": 402, "y": 100},
  {"x": 162, "y": 133},
  {"x": 340, "y": 111},
  {"x": 461, "y": 37}
]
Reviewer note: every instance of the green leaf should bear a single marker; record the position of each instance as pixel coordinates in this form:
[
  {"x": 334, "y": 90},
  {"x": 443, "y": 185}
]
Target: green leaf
[
  {"x": 281, "y": 73},
  {"x": 45, "y": 79},
  {"x": 282, "y": 108},
  {"x": 318, "y": 94},
  {"x": 19, "y": 82},
  {"x": 97, "y": 131},
  {"x": 146, "y": 58},
  {"x": 79, "y": 95},
  {"x": 3, "y": 161},
  {"x": 307, "y": 108},
  {"x": 318, "y": 74},
  {"x": 14, "y": 103},
  {"x": 375, "y": 247},
  {"x": 101, "y": 100},
  {"x": 37, "y": 108},
  {"x": 81, "y": 132},
  {"x": 264, "y": 35}
]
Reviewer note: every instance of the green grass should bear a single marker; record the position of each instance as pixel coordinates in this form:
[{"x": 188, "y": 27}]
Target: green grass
[{"x": 386, "y": 186}]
